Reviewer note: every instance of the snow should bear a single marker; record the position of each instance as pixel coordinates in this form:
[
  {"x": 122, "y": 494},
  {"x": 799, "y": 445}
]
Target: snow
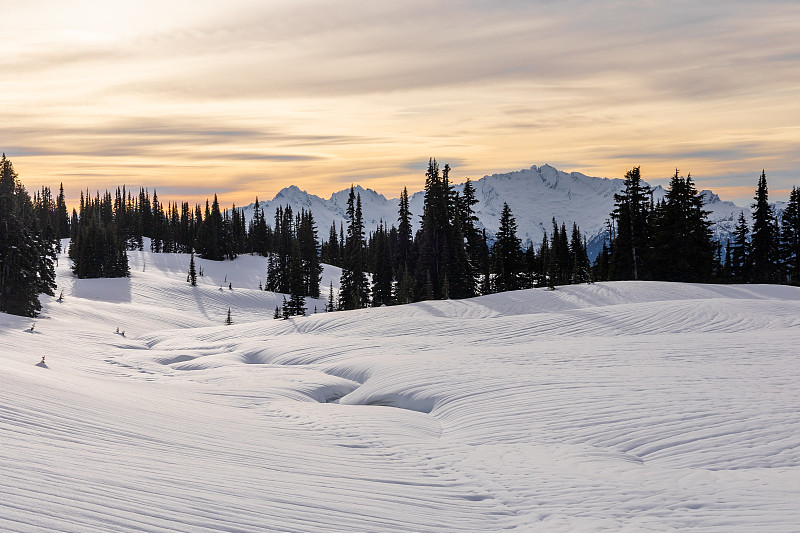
[{"x": 633, "y": 406}]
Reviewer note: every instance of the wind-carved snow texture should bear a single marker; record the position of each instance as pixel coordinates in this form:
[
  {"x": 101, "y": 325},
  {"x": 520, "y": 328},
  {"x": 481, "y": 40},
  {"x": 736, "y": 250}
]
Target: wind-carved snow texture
[
  {"x": 535, "y": 196},
  {"x": 629, "y": 406}
]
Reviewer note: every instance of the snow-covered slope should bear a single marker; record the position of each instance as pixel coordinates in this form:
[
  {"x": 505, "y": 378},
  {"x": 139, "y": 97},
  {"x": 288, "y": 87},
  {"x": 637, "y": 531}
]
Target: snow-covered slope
[
  {"x": 535, "y": 196},
  {"x": 634, "y": 406}
]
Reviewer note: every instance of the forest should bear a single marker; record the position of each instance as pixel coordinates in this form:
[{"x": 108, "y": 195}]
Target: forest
[{"x": 450, "y": 256}]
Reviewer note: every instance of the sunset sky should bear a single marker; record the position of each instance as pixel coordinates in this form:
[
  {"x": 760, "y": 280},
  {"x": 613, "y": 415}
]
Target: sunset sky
[{"x": 242, "y": 98}]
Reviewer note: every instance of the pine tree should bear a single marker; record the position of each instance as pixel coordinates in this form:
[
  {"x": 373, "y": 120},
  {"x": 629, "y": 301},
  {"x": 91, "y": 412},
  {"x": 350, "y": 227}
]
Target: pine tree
[
  {"x": 790, "y": 238},
  {"x": 26, "y": 253},
  {"x": 763, "y": 252},
  {"x": 229, "y": 320},
  {"x": 192, "y": 272},
  {"x": 382, "y": 272},
  {"x": 330, "y": 307},
  {"x": 740, "y": 251},
  {"x": 631, "y": 213},
  {"x": 432, "y": 261},
  {"x": 681, "y": 234},
  {"x": 507, "y": 252},
  {"x": 296, "y": 305},
  {"x": 404, "y": 234},
  {"x": 354, "y": 286},
  {"x": 579, "y": 257}
]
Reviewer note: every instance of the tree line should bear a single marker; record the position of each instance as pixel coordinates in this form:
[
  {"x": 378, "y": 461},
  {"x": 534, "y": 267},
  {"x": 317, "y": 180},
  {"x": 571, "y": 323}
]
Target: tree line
[{"x": 450, "y": 256}]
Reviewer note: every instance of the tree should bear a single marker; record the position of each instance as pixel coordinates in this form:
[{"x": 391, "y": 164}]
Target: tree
[
  {"x": 382, "y": 277},
  {"x": 404, "y": 234},
  {"x": 682, "y": 245},
  {"x": 26, "y": 255},
  {"x": 739, "y": 264},
  {"x": 354, "y": 286},
  {"x": 631, "y": 213},
  {"x": 296, "y": 305},
  {"x": 790, "y": 238},
  {"x": 764, "y": 248},
  {"x": 330, "y": 307},
  {"x": 579, "y": 257},
  {"x": 507, "y": 253},
  {"x": 229, "y": 320},
  {"x": 192, "y": 272}
]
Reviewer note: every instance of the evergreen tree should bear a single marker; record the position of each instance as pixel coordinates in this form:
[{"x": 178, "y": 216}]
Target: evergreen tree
[
  {"x": 26, "y": 254},
  {"x": 507, "y": 252},
  {"x": 631, "y": 213},
  {"x": 354, "y": 285},
  {"x": 297, "y": 286},
  {"x": 739, "y": 265},
  {"x": 790, "y": 238},
  {"x": 763, "y": 253},
  {"x": 579, "y": 257},
  {"x": 433, "y": 239},
  {"x": 682, "y": 245},
  {"x": 192, "y": 272},
  {"x": 382, "y": 277},
  {"x": 404, "y": 234},
  {"x": 229, "y": 320},
  {"x": 331, "y": 306}
]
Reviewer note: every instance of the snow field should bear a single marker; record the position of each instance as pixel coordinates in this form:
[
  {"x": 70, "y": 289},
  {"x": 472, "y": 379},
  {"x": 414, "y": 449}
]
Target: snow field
[{"x": 614, "y": 406}]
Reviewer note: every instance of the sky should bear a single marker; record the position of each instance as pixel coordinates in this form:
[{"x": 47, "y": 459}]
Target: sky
[{"x": 242, "y": 98}]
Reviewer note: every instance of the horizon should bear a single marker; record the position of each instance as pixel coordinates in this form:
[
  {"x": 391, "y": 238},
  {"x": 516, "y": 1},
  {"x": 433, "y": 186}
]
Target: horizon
[{"x": 246, "y": 98}]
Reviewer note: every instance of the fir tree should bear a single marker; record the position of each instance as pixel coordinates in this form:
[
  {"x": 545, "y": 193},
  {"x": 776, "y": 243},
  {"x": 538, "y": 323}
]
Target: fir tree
[
  {"x": 192, "y": 272},
  {"x": 507, "y": 252},
  {"x": 739, "y": 265},
  {"x": 331, "y": 306},
  {"x": 790, "y": 238},
  {"x": 631, "y": 213},
  {"x": 229, "y": 320},
  {"x": 763, "y": 253},
  {"x": 26, "y": 254},
  {"x": 681, "y": 235},
  {"x": 354, "y": 287}
]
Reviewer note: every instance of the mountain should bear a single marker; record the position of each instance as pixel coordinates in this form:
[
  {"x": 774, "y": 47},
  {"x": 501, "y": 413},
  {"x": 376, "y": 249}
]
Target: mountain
[{"x": 535, "y": 195}]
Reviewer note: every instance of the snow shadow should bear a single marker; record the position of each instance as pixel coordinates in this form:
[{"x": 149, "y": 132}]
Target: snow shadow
[{"x": 113, "y": 290}]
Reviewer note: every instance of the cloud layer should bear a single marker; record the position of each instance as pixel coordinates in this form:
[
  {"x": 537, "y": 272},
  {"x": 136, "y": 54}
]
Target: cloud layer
[{"x": 250, "y": 96}]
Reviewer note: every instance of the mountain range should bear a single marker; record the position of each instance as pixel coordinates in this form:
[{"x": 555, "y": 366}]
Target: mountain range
[{"x": 535, "y": 195}]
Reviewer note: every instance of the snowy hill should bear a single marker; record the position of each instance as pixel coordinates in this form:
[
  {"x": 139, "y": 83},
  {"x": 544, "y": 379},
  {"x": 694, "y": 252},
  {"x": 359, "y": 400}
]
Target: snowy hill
[
  {"x": 635, "y": 406},
  {"x": 535, "y": 196}
]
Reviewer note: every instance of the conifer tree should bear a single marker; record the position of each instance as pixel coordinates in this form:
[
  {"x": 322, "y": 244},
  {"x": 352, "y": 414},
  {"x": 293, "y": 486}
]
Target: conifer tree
[
  {"x": 763, "y": 252},
  {"x": 229, "y": 320},
  {"x": 297, "y": 286},
  {"x": 404, "y": 234},
  {"x": 631, "y": 213},
  {"x": 681, "y": 234},
  {"x": 331, "y": 306},
  {"x": 507, "y": 252},
  {"x": 790, "y": 238},
  {"x": 354, "y": 286},
  {"x": 579, "y": 257},
  {"x": 382, "y": 277},
  {"x": 740, "y": 251},
  {"x": 26, "y": 254},
  {"x": 192, "y": 272}
]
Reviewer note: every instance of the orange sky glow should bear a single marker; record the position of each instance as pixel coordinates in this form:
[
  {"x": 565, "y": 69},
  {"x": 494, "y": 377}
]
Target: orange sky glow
[{"x": 243, "y": 98}]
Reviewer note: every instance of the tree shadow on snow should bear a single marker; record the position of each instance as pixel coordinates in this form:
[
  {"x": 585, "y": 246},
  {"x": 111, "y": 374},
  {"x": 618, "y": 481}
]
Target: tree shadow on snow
[{"x": 114, "y": 290}]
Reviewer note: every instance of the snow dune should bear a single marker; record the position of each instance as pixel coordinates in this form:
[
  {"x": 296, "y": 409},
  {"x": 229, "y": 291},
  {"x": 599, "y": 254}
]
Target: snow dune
[{"x": 614, "y": 406}]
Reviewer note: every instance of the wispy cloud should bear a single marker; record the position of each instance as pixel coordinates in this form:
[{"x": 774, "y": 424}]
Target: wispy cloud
[{"x": 263, "y": 94}]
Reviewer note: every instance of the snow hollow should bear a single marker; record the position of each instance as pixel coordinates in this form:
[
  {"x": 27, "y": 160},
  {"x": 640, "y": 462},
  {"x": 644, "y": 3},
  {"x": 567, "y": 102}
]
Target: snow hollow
[{"x": 635, "y": 406}]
